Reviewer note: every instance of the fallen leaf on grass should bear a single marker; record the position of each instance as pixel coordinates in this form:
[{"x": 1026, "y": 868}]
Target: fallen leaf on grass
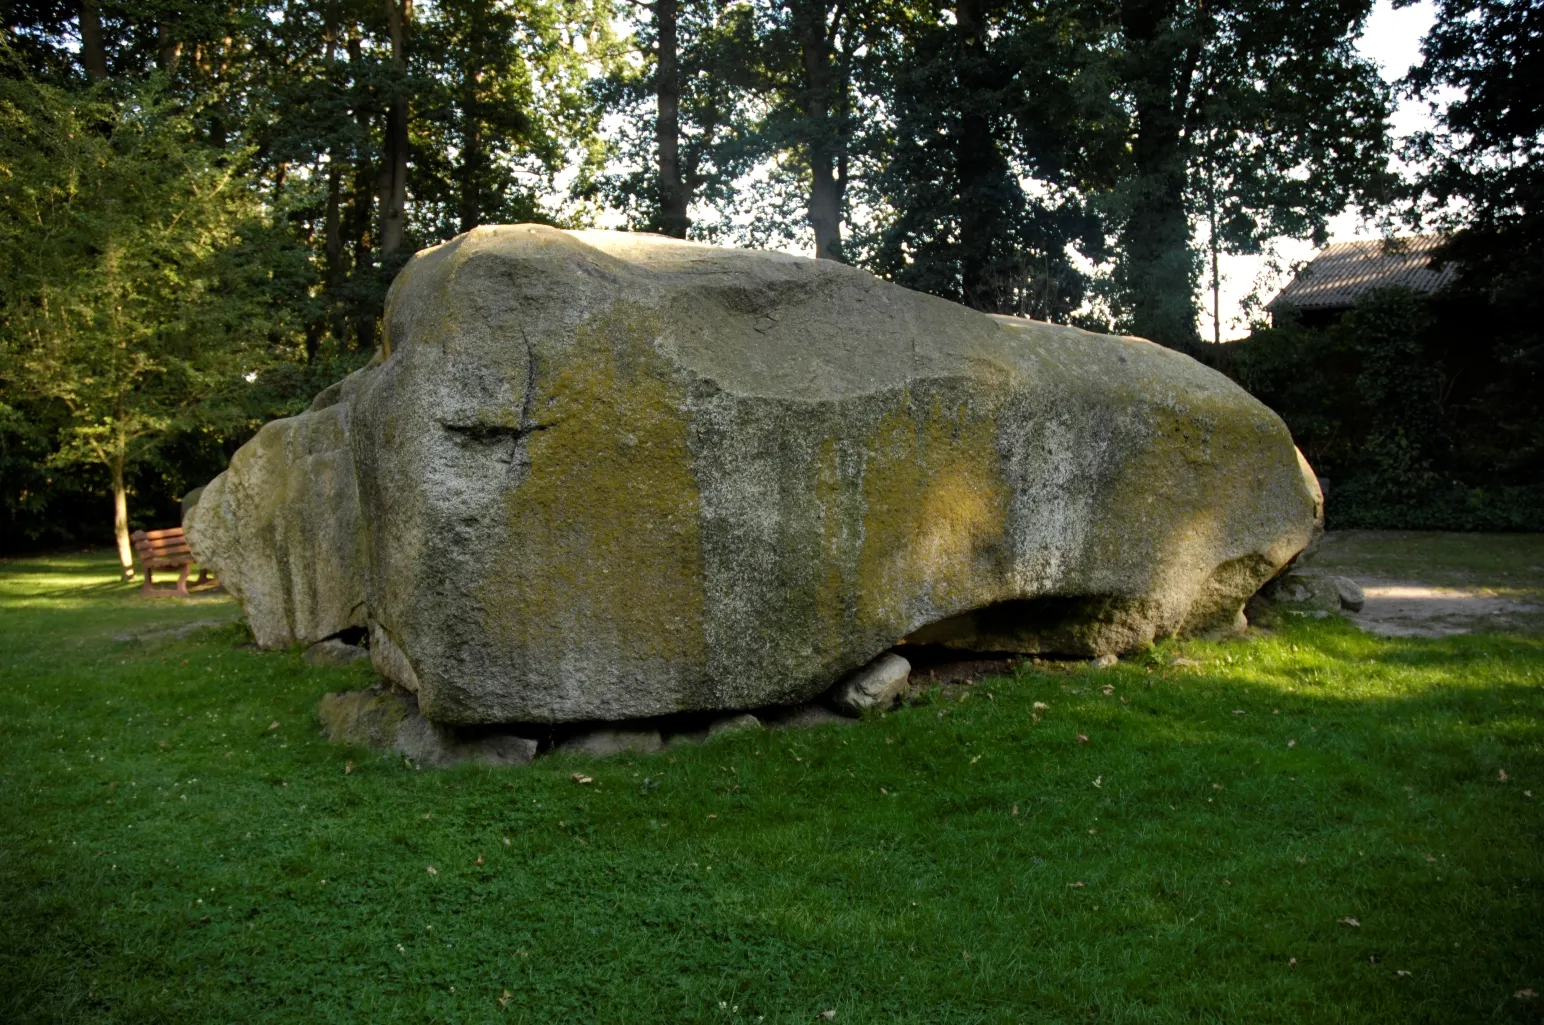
[
  {"x": 1431, "y": 858},
  {"x": 1099, "y": 782},
  {"x": 1015, "y": 810},
  {"x": 1527, "y": 793},
  {"x": 1082, "y": 738},
  {"x": 1075, "y": 886},
  {"x": 1292, "y": 743},
  {"x": 711, "y": 817},
  {"x": 1524, "y": 994},
  {"x": 1501, "y": 776},
  {"x": 1239, "y": 711},
  {"x": 1353, "y": 923},
  {"x": 274, "y": 725},
  {"x": 1041, "y": 706},
  {"x": 506, "y": 841},
  {"x": 828, "y": 1015},
  {"x": 505, "y": 998},
  {"x": 1401, "y": 973},
  {"x": 581, "y": 779},
  {"x": 479, "y": 860},
  {"x": 348, "y": 767},
  {"x": 433, "y": 871},
  {"x": 1108, "y": 689},
  {"x": 1291, "y": 962},
  {"x": 1185, "y": 662}
]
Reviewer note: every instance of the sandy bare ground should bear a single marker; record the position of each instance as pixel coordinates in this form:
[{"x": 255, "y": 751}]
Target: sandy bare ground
[
  {"x": 1424, "y": 584},
  {"x": 1406, "y": 609}
]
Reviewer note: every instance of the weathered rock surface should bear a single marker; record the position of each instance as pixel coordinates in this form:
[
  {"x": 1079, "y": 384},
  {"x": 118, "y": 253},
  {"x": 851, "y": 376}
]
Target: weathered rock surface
[
  {"x": 386, "y": 720},
  {"x": 800, "y": 717},
  {"x": 280, "y": 528},
  {"x": 734, "y": 724},
  {"x": 1352, "y": 597},
  {"x": 880, "y": 684},
  {"x": 606, "y": 476},
  {"x": 333, "y": 652},
  {"x": 1307, "y": 591},
  {"x": 605, "y": 742}
]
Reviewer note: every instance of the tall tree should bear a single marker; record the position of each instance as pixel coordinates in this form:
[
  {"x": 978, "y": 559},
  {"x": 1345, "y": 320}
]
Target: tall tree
[
  {"x": 399, "y": 22},
  {"x": 504, "y": 107},
  {"x": 1267, "y": 97},
  {"x": 114, "y": 298},
  {"x": 673, "y": 218},
  {"x": 1481, "y": 178},
  {"x": 981, "y": 99},
  {"x": 680, "y": 116}
]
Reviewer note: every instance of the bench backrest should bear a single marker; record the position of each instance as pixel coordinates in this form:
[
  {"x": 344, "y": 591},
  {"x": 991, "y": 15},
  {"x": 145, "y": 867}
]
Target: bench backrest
[{"x": 158, "y": 545}]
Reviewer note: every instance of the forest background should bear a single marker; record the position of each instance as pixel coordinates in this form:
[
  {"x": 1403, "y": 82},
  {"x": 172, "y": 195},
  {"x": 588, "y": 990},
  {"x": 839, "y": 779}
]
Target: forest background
[{"x": 203, "y": 204}]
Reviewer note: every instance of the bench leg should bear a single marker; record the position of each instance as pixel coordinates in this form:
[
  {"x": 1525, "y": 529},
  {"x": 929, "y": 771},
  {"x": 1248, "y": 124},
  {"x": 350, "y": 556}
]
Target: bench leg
[
  {"x": 182, "y": 581},
  {"x": 144, "y": 589}
]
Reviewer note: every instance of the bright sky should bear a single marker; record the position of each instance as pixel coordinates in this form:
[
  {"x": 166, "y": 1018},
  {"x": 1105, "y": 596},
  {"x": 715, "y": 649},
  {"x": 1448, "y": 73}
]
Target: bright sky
[{"x": 1393, "y": 41}]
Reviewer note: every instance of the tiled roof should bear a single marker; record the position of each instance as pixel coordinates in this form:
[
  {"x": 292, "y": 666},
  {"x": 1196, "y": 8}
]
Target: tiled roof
[{"x": 1344, "y": 272}]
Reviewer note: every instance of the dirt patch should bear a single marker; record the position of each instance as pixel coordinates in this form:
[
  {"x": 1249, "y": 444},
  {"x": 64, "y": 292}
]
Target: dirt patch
[
  {"x": 1429, "y": 584},
  {"x": 1409, "y": 609}
]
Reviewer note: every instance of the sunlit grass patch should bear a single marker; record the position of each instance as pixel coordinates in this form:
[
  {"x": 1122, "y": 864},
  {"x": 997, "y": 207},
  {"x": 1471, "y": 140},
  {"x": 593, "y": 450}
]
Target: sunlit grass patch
[{"x": 1182, "y": 836}]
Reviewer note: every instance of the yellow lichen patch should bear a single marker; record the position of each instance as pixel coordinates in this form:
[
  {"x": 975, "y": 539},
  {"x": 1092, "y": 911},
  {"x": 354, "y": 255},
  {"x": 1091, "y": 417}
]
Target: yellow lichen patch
[
  {"x": 934, "y": 511},
  {"x": 603, "y": 550},
  {"x": 1202, "y": 491}
]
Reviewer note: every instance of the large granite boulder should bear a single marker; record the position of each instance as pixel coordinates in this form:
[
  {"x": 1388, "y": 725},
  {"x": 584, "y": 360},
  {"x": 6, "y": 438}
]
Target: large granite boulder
[
  {"x": 605, "y": 476},
  {"x": 281, "y": 529}
]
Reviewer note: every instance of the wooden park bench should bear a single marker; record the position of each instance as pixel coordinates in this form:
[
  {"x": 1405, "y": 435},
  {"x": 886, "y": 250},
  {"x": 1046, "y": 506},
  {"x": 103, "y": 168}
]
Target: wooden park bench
[{"x": 164, "y": 549}]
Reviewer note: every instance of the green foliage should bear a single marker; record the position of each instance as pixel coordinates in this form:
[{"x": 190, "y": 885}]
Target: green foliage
[
  {"x": 167, "y": 853},
  {"x": 132, "y": 295},
  {"x": 715, "y": 41},
  {"x": 1395, "y": 404},
  {"x": 975, "y": 107},
  {"x": 1256, "y": 116},
  {"x": 1481, "y": 177}
]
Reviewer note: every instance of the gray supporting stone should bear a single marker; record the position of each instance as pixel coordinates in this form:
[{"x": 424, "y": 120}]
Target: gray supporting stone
[
  {"x": 386, "y": 720},
  {"x": 602, "y": 743},
  {"x": 333, "y": 652},
  {"x": 1352, "y": 597},
  {"x": 878, "y": 685}
]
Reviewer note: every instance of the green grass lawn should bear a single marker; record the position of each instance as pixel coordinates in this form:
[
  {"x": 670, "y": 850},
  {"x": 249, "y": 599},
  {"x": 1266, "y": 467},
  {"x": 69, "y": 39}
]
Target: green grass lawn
[{"x": 179, "y": 844}]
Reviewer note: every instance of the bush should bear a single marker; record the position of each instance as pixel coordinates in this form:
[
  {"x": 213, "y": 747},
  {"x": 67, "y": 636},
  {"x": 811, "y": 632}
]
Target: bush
[{"x": 1401, "y": 405}]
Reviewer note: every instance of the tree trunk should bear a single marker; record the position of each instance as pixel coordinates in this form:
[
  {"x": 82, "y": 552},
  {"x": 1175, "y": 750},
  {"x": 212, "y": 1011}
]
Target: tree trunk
[
  {"x": 667, "y": 126},
  {"x": 92, "y": 54},
  {"x": 399, "y": 13},
  {"x": 982, "y": 171},
  {"x": 1159, "y": 269},
  {"x": 168, "y": 48},
  {"x": 471, "y": 170},
  {"x": 121, "y": 514},
  {"x": 332, "y": 240},
  {"x": 825, "y": 143}
]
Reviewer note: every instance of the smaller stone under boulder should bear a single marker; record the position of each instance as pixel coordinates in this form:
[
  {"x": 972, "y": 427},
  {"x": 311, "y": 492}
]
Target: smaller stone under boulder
[
  {"x": 335, "y": 652},
  {"x": 604, "y": 742},
  {"x": 878, "y": 685},
  {"x": 386, "y": 719},
  {"x": 1303, "y": 590}
]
